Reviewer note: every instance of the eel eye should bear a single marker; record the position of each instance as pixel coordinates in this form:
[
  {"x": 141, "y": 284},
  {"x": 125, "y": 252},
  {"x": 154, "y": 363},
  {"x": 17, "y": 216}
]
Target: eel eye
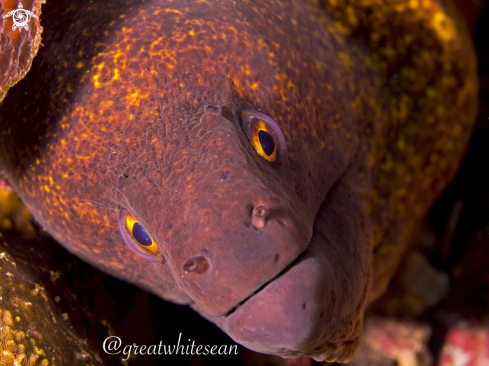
[
  {"x": 136, "y": 237},
  {"x": 265, "y": 136}
]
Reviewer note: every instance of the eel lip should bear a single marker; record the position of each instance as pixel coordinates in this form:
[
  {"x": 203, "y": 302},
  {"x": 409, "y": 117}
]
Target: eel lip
[
  {"x": 241, "y": 303},
  {"x": 220, "y": 319},
  {"x": 301, "y": 311},
  {"x": 290, "y": 315}
]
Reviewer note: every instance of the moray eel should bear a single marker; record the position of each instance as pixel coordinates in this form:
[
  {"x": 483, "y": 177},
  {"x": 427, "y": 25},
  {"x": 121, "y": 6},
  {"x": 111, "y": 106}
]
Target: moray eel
[{"x": 261, "y": 161}]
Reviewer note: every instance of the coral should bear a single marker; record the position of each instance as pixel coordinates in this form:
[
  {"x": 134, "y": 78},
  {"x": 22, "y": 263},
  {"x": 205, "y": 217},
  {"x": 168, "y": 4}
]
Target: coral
[
  {"x": 388, "y": 342},
  {"x": 32, "y": 332},
  {"x": 13, "y": 214},
  {"x": 466, "y": 345}
]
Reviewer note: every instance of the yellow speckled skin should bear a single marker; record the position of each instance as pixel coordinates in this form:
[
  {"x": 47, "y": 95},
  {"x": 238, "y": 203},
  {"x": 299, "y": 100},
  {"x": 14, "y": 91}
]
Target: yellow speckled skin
[
  {"x": 429, "y": 71},
  {"x": 135, "y": 105}
]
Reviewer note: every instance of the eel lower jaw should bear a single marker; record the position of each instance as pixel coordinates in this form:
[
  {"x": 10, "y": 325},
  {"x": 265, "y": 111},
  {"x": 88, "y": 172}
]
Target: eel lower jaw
[
  {"x": 292, "y": 314},
  {"x": 263, "y": 287},
  {"x": 287, "y": 314},
  {"x": 219, "y": 320}
]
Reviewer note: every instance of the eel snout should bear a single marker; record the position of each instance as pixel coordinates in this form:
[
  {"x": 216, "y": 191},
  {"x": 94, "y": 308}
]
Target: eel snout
[
  {"x": 234, "y": 234},
  {"x": 314, "y": 306},
  {"x": 222, "y": 265}
]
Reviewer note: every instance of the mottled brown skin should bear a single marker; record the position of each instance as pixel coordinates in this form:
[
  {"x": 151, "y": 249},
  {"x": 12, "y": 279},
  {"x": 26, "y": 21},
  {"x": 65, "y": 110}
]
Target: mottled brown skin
[{"x": 139, "y": 108}]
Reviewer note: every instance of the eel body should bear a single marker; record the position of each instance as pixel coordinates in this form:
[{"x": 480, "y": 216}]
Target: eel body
[{"x": 261, "y": 161}]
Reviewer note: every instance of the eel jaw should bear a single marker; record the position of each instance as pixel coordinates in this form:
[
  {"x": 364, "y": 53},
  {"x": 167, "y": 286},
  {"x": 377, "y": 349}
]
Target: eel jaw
[
  {"x": 315, "y": 306},
  {"x": 292, "y": 315}
]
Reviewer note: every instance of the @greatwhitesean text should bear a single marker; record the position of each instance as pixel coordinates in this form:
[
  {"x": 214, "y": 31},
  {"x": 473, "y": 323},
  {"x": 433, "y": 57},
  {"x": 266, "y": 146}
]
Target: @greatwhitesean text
[{"x": 113, "y": 346}]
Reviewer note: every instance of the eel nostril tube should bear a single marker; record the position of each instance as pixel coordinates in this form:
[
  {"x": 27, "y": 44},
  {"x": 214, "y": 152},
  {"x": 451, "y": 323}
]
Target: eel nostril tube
[
  {"x": 195, "y": 264},
  {"x": 259, "y": 217}
]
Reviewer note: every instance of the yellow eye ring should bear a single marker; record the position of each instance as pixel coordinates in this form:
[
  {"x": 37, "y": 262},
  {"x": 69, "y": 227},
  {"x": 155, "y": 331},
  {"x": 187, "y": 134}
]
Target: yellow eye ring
[
  {"x": 139, "y": 235},
  {"x": 263, "y": 141},
  {"x": 265, "y": 136}
]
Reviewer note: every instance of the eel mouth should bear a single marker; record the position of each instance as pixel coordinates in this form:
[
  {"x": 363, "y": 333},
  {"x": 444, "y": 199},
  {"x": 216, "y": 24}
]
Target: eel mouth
[
  {"x": 313, "y": 306},
  {"x": 287, "y": 268},
  {"x": 264, "y": 286},
  {"x": 289, "y": 313}
]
